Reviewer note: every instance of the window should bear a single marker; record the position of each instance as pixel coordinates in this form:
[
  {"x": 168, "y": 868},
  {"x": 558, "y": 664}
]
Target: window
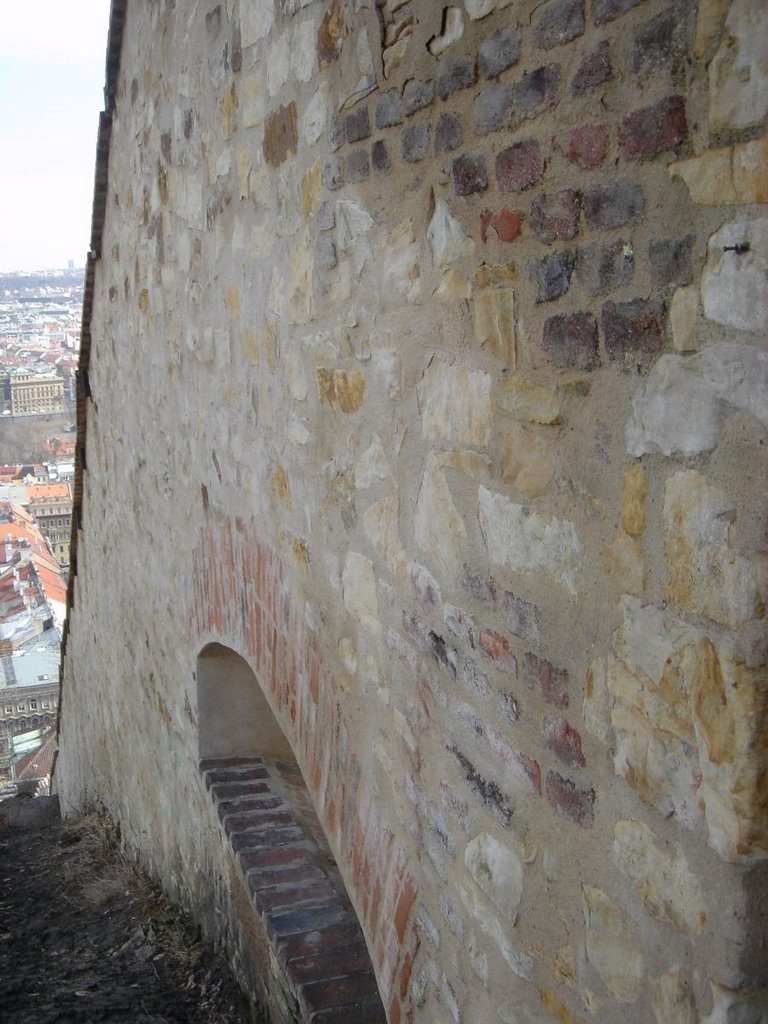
[
  {"x": 33, "y": 705},
  {"x": 21, "y": 706},
  {"x": 46, "y": 705},
  {"x": 9, "y": 709}
]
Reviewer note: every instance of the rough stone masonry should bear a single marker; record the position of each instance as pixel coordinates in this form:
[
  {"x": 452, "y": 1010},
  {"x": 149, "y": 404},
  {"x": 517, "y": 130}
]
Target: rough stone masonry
[{"x": 424, "y": 369}]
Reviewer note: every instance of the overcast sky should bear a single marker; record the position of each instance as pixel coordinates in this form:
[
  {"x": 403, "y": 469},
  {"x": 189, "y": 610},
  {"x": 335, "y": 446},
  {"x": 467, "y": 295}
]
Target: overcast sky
[{"x": 52, "y": 59}]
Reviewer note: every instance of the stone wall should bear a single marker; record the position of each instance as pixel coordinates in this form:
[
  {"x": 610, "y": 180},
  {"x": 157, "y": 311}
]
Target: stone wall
[{"x": 428, "y": 373}]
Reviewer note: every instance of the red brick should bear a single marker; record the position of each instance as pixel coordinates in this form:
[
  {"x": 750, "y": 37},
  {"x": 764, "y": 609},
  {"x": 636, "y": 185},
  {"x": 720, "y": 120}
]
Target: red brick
[
  {"x": 395, "y": 1013},
  {"x": 519, "y": 166},
  {"x": 404, "y": 906},
  {"x": 275, "y": 859},
  {"x": 337, "y": 963},
  {"x": 564, "y": 741},
  {"x": 576, "y": 804},
  {"x": 552, "y": 680},
  {"x": 497, "y": 648},
  {"x": 587, "y": 145},
  {"x": 652, "y": 130}
]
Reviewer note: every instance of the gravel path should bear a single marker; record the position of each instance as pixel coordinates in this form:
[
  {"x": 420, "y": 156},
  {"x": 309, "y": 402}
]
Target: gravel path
[{"x": 86, "y": 939}]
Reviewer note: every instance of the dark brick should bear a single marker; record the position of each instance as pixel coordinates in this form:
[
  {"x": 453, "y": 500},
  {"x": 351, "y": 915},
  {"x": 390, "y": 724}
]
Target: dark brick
[
  {"x": 564, "y": 741},
  {"x": 469, "y": 174},
  {"x": 497, "y": 648},
  {"x": 594, "y": 69},
  {"x": 497, "y": 802},
  {"x": 266, "y": 838},
  {"x": 670, "y": 260},
  {"x": 660, "y": 40},
  {"x": 551, "y": 275},
  {"x": 483, "y": 589},
  {"x": 336, "y": 134},
  {"x": 455, "y": 73},
  {"x": 521, "y": 616},
  {"x": 555, "y": 215},
  {"x": 363, "y": 1011},
  {"x": 222, "y": 790},
  {"x": 333, "y": 175},
  {"x": 636, "y": 326},
  {"x": 552, "y": 680},
  {"x": 350, "y": 960},
  {"x": 519, "y": 166},
  {"x": 587, "y": 145},
  {"x": 417, "y": 95},
  {"x": 652, "y": 130},
  {"x": 303, "y": 874},
  {"x": 448, "y": 134},
  {"x": 601, "y": 266},
  {"x": 380, "y": 156},
  {"x": 263, "y": 802},
  {"x": 557, "y": 22},
  {"x": 500, "y": 51},
  {"x": 357, "y": 166},
  {"x": 357, "y": 125},
  {"x": 510, "y": 706},
  {"x": 444, "y": 655},
  {"x": 322, "y": 940},
  {"x": 490, "y": 110},
  {"x": 389, "y": 109},
  {"x": 414, "y": 142},
  {"x": 536, "y": 90},
  {"x": 614, "y": 205},
  {"x": 607, "y": 10},
  {"x": 506, "y": 223},
  {"x": 576, "y": 804},
  {"x": 285, "y": 897},
  {"x": 306, "y": 919},
  {"x": 571, "y": 340},
  {"x": 277, "y": 859}
]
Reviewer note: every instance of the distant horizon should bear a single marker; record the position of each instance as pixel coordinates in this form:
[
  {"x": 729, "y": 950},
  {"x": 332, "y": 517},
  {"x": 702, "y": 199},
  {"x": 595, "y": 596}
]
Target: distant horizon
[{"x": 25, "y": 272}]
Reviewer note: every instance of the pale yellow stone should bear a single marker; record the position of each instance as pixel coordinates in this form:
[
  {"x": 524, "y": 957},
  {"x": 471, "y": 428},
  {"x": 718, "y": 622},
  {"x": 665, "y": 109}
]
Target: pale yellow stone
[
  {"x": 559, "y": 1009},
  {"x": 455, "y": 404},
  {"x": 228, "y": 111},
  {"x": 439, "y": 529},
  {"x": 498, "y": 274},
  {"x": 471, "y": 463},
  {"x": 672, "y": 1002},
  {"x": 494, "y": 315},
  {"x": 498, "y": 871},
  {"x": 310, "y": 190},
  {"x": 252, "y": 101},
  {"x": 633, "y": 493},
  {"x": 358, "y": 582},
  {"x": 380, "y": 522},
  {"x": 710, "y": 15},
  {"x": 529, "y": 402},
  {"x": 281, "y": 486},
  {"x": 301, "y": 287},
  {"x": 597, "y": 715},
  {"x": 564, "y": 968},
  {"x": 250, "y": 346},
  {"x": 270, "y": 345},
  {"x": 243, "y": 165},
  {"x": 348, "y": 654},
  {"x": 453, "y": 286},
  {"x": 232, "y": 301},
  {"x": 624, "y": 563},
  {"x": 343, "y": 390},
  {"x": 662, "y": 878},
  {"x": 728, "y": 176},
  {"x": 612, "y": 946},
  {"x": 527, "y": 462},
  {"x": 682, "y": 318}
]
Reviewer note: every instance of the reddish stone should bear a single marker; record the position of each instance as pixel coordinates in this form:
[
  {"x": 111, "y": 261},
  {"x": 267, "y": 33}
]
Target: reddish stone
[
  {"x": 497, "y": 648},
  {"x": 594, "y": 69},
  {"x": 483, "y": 589},
  {"x": 507, "y": 224},
  {"x": 636, "y": 326},
  {"x": 564, "y": 741},
  {"x": 469, "y": 174},
  {"x": 552, "y": 680},
  {"x": 519, "y": 166},
  {"x": 403, "y": 908},
  {"x": 648, "y": 132},
  {"x": 555, "y": 215},
  {"x": 576, "y": 804},
  {"x": 587, "y": 145}
]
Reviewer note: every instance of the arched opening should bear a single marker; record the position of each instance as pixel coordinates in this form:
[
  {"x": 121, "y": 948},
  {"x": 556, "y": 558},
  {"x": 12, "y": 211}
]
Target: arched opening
[{"x": 292, "y": 882}]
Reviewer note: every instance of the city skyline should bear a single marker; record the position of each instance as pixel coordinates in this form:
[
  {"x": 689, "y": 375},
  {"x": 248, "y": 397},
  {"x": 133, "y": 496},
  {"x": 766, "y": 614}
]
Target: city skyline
[{"x": 51, "y": 93}]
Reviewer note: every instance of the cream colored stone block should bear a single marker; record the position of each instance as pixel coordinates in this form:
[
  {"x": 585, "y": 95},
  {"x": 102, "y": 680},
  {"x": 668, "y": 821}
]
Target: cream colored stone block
[
  {"x": 597, "y": 707},
  {"x": 278, "y": 64},
  {"x": 256, "y": 20},
  {"x": 728, "y": 176},
  {"x": 662, "y": 878},
  {"x": 498, "y": 871},
  {"x": 738, "y": 73},
  {"x": 527, "y": 541},
  {"x": 400, "y": 265},
  {"x": 455, "y": 404},
  {"x": 446, "y": 237},
  {"x": 529, "y": 402},
  {"x": 453, "y": 30},
  {"x": 613, "y": 947},
  {"x": 380, "y": 522},
  {"x": 672, "y": 1002},
  {"x": 494, "y": 316},
  {"x": 682, "y": 318},
  {"x": 303, "y": 50},
  {"x": 439, "y": 528},
  {"x": 228, "y": 111},
  {"x": 527, "y": 461},
  {"x": 624, "y": 563},
  {"x": 310, "y": 191},
  {"x": 314, "y": 116},
  {"x": 633, "y": 499},
  {"x": 373, "y": 465},
  {"x": 750, "y": 171},
  {"x": 465, "y": 461},
  {"x": 252, "y": 101},
  {"x": 358, "y": 582},
  {"x": 453, "y": 287}
]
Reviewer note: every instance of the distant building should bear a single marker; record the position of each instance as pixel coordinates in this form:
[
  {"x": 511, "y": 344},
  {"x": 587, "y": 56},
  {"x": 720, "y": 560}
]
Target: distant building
[
  {"x": 51, "y": 506},
  {"x": 25, "y": 709},
  {"x": 32, "y": 394}
]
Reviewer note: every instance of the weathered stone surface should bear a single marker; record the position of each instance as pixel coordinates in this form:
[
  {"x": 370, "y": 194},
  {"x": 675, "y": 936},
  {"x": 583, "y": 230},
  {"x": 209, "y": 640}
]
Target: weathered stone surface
[
  {"x": 498, "y": 871},
  {"x": 280, "y": 135},
  {"x": 659, "y": 41},
  {"x": 633, "y": 494},
  {"x": 414, "y": 142},
  {"x": 446, "y": 238},
  {"x": 624, "y": 563},
  {"x": 440, "y": 530},
  {"x": 454, "y": 73},
  {"x": 587, "y": 145},
  {"x": 449, "y": 134},
  {"x": 738, "y": 73},
  {"x": 417, "y": 95},
  {"x": 453, "y": 286},
  {"x": 637, "y": 326},
  {"x": 734, "y": 284},
  {"x": 707, "y": 574},
  {"x": 343, "y": 390},
  {"x": 527, "y": 541},
  {"x": 469, "y": 174},
  {"x": 595, "y": 68},
  {"x": 519, "y": 166},
  {"x": 536, "y": 90},
  {"x": 612, "y": 206},
  {"x": 527, "y": 462},
  {"x": 490, "y": 110},
  {"x": 477, "y": 9},
  {"x": 682, "y": 318},
  {"x": 601, "y": 266},
  {"x": 529, "y": 402},
  {"x": 653, "y": 130},
  {"x": 570, "y": 339},
  {"x": 555, "y": 215},
  {"x": 256, "y": 20},
  {"x": 455, "y": 404},
  {"x": 672, "y": 1002},
  {"x": 506, "y": 223},
  {"x": 400, "y": 263},
  {"x": 613, "y": 947},
  {"x": 552, "y": 275},
  {"x": 682, "y": 405},
  {"x": 499, "y": 51},
  {"x": 670, "y": 261},
  {"x": 380, "y": 156},
  {"x": 556, "y": 22},
  {"x": 607, "y": 10},
  {"x": 359, "y": 585},
  {"x": 727, "y": 176},
  {"x": 381, "y": 526},
  {"x": 453, "y": 30},
  {"x": 663, "y": 880},
  {"x": 493, "y": 311}
]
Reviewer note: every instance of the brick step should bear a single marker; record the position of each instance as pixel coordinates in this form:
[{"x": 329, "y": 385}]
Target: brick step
[{"x": 296, "y": 890}]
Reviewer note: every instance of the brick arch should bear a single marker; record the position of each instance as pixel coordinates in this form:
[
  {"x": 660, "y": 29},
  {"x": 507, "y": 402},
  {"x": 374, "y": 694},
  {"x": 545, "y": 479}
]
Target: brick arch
[{"x": 242, "y": 601}]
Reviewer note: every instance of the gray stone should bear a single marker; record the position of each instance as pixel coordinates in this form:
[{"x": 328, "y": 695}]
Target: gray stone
[
  {"x": 389, "y": 109},
  {"x": 670, "y": 261},
  {"x": 333, "y": 175},
  {"x": 448, "y": 134},
  {"x": 491, "y": 109},
  {"x": 417, "y": 95},
  {"x": 551, "y": 275},
  {"x": 594, "y": 69},
  {"x": 556, "y": 22},
  {"x": 414, "y": 142},
  {"x": 602, "y": 266},
  {"x": 357, "y": 166},
  {"x": 537, "y": 89},
  {"x": 500, "y": 51},
  {"x": 453, "y": 74},
  {"x": 613, "y": 205}
]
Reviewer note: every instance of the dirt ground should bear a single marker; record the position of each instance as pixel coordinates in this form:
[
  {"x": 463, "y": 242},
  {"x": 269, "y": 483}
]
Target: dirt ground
[{"x": 86, "y": 939}]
